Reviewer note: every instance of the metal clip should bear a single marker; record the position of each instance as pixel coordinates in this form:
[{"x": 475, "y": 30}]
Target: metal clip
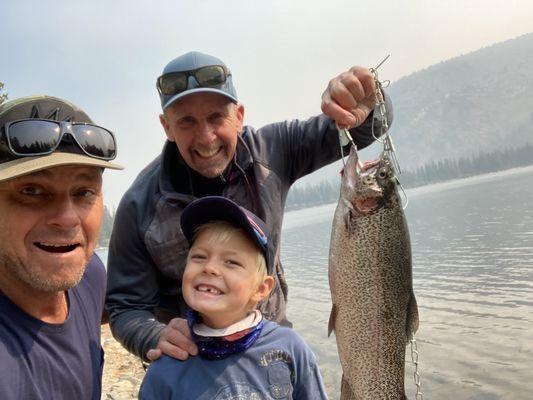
[{"x": 344, "y": 139}]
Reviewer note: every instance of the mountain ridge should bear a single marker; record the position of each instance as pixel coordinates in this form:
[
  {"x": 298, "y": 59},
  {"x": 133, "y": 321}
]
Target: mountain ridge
[
  {"x": 465, "y": 105},
  {"x": 430, "y": 126}
]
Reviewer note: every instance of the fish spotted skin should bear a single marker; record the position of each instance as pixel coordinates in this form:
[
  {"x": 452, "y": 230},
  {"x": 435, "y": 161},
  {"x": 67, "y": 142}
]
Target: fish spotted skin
[{"x": 374, "y": 312}]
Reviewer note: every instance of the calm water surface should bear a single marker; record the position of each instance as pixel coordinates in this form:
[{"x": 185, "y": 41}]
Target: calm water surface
[{"x": 472, "y": 243}]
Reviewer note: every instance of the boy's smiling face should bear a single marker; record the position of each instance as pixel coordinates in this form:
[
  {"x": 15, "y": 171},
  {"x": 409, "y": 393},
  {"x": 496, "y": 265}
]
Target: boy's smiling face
[{"x": 221, "y": 280}]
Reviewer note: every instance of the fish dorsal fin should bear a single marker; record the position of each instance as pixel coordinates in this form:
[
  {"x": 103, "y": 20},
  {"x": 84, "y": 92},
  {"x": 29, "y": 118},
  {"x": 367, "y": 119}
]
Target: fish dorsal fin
[{"x": 332, "y": 316}]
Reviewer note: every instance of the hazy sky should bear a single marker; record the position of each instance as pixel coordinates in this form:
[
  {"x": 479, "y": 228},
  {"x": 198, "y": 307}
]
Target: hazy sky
[{"x": 105, "y": 55}]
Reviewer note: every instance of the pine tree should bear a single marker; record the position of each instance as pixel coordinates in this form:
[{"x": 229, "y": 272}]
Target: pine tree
[
  {"x": 106, "y": 228},
  {"x": 3, "y": 96}
]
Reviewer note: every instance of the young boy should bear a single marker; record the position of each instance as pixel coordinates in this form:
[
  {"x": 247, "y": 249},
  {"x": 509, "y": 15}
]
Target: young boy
[{"x": 241, "y": 355}]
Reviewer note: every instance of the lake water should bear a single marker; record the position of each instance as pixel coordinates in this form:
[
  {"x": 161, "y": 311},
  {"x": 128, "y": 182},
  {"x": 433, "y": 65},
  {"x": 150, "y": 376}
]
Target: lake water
[{"x": 472, "y": 243}]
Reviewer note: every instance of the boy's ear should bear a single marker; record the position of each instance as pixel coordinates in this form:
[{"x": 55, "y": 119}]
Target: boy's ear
[{"x": 264, "y": 289}]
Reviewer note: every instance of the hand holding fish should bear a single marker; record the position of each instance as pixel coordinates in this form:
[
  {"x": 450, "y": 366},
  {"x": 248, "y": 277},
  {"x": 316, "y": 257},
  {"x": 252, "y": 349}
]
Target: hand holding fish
[{"x": 350, "y": 97}]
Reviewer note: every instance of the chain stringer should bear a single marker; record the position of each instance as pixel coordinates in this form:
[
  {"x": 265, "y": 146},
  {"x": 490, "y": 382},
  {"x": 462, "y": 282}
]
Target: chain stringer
[{"x": 390, "y": 152}]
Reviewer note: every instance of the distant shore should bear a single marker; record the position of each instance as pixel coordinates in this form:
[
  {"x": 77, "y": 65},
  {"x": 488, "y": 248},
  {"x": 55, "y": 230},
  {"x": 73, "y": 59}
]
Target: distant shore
[{"x": 437, "y": 185}]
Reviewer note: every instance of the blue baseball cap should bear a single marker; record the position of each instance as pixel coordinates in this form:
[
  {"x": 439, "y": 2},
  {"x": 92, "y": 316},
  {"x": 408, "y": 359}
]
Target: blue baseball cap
[
  {"x": 218, "y": 208},
  {"x": 189, "y": 63}
]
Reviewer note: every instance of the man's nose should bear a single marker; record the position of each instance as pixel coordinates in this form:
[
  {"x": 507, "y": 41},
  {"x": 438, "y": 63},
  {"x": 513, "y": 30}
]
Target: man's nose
[
  {"x": 63, "y": 213},
  {"x": 206, "y": 133}
]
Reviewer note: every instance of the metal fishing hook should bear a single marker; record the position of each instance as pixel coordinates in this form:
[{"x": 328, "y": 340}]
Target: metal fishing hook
[
  {"x": 380, "y": 64},
  {"x": 344, "y": 139}
]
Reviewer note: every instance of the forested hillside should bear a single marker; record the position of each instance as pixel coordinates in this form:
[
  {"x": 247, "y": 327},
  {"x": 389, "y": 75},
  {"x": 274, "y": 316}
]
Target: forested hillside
[{"x": 474, "y": 103}]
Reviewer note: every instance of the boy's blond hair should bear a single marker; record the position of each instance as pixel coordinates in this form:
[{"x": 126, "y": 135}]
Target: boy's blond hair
[{"x": 222, "y": 232}]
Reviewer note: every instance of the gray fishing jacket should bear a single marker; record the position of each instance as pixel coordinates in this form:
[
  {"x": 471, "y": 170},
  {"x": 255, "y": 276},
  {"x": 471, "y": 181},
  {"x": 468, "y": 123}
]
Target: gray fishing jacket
[{"x": 147, "y": 252}]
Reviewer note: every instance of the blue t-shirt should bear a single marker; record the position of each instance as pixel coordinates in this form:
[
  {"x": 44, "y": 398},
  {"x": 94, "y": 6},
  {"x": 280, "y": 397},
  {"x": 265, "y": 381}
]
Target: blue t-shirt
[
  {"x": 279, "y": 365},
  {"x": 46, "y": 361}
]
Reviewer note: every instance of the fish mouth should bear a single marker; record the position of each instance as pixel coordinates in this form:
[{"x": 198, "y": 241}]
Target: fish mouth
[
  {"x": 368, "y": 165},
  {"x": 366, "y": 205},
  {"x": 56, "y": 248}
]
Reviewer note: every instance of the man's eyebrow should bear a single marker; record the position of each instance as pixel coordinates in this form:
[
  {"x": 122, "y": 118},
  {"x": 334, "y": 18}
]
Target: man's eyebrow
[
  {"x": 42, "y": 172},
  {"x": 93, "y": 174}
]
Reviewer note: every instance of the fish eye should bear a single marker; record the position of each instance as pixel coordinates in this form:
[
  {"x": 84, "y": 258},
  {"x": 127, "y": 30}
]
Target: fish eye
[{"x": 382, "y": 173}]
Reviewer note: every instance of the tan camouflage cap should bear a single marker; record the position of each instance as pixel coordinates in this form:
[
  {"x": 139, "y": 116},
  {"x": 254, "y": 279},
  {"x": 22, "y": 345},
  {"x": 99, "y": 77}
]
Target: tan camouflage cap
[{"x": 43, "y": 107}]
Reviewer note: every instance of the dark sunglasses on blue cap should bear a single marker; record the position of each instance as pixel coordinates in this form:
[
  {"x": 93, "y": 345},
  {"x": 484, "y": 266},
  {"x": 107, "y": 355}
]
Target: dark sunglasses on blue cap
[
  {"x": 177, "y": 82},
  {"x": 38, "y": 137}
]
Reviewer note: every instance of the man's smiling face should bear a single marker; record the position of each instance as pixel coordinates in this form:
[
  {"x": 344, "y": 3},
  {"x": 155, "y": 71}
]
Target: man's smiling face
[
  {"x": 205, "y": 128},
  {"x": 49, "y": 227}
]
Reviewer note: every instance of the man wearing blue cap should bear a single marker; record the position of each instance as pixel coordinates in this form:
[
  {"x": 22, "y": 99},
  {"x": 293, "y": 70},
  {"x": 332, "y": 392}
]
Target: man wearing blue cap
[{"x": 209, "y": 151}]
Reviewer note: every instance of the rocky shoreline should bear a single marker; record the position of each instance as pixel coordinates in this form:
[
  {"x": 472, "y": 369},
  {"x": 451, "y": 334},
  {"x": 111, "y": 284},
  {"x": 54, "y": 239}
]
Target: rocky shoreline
[{"x": 123, "y": 372}]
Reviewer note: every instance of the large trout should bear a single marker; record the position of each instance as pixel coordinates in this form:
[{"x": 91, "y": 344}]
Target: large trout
[{"x": 374, "y": 312}]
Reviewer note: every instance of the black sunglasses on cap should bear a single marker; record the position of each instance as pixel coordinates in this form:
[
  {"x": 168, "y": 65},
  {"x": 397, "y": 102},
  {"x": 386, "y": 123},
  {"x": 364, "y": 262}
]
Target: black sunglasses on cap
[
  {"x": 39, "y": 137},
  {"x": 177, "y": 82}
]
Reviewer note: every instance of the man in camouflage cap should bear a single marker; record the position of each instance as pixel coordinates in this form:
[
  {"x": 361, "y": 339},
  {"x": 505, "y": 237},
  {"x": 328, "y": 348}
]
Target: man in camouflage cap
[{"x": 51, "y": 285}]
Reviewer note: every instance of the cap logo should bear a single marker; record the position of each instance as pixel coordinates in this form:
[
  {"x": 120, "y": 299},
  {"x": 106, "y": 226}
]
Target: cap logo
[
  {"x": 53, "y": 115},
  {"x": 258, "y": 231}
]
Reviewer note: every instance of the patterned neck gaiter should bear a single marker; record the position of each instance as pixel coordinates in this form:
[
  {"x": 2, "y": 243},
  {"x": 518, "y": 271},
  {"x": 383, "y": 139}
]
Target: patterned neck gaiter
[{"x": 219, "y": 347}]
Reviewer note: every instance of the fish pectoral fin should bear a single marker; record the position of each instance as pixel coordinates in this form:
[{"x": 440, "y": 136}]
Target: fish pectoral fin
[
  {"x": 412, "y": 318},
  {"x": 332, "y": 316},
  {"x": 347, "y": 220},
  {"x": 350, "y": 221}
]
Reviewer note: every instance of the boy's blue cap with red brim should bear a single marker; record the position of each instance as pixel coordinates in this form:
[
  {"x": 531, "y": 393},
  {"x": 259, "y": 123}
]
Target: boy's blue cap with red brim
[{"x": 218, "y": 208}]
